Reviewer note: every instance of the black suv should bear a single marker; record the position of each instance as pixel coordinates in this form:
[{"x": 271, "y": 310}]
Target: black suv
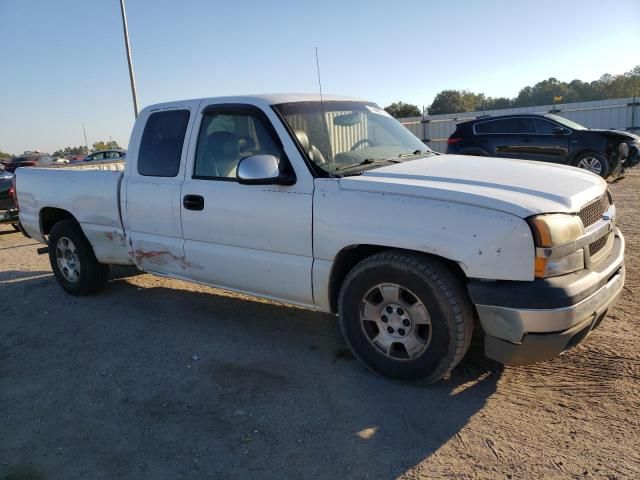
[{"x": 547, "y": 138}]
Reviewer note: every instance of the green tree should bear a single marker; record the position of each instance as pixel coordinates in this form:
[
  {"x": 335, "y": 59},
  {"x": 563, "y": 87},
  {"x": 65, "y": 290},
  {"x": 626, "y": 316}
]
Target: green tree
[
  {"x": 498, "y": 103},
  {"x": 454, "y": 101},
  {"x": 69, "y": 151},
  {"x": 403, "y": 110},
  {"x": 447, "y": 101},
  {"x": 102, "y": 145},
  {"x": 5, "y": 155},
  {"x": 542, "y": 93}
]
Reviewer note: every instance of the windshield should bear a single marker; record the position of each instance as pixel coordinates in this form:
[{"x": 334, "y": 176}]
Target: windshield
[
  {"x": 566, "y": 123},
  {"x": 348, "y": 136}
]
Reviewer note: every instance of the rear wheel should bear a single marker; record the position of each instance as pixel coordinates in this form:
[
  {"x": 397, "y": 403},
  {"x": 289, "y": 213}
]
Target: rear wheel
[
  {"x": 406, "y": 316},
  {"x": 72, "y": 260},
  {"x": 594, "y": 162}
]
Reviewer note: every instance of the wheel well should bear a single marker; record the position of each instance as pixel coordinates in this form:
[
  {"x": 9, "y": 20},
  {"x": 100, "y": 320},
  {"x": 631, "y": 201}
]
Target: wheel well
[
  {"x": 50, "y": 216},
  {"x": 579, "y": 153},
  {"x": 350, "y": 256}
]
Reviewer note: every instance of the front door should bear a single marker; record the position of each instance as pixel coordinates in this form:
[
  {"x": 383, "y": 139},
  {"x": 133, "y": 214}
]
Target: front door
[
  {"x": 551, "y": 142},
  {"x": 251, "y": 238}
]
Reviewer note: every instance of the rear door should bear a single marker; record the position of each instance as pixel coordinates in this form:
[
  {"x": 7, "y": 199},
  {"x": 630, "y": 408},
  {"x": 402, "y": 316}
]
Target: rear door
[
  {"x": 151, "y": 212},
  {"x": 498, "y": 137}
]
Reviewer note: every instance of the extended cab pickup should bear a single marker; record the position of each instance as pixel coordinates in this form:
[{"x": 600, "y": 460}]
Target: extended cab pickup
[{"x": 335, "y": 206}]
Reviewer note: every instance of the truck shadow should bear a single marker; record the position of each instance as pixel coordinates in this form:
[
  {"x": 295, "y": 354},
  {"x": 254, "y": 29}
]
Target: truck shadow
[{"x": 257, "y": 388}]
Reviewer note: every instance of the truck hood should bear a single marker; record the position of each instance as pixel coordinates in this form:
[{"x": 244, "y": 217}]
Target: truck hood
[{"x": 518, "y": 187}]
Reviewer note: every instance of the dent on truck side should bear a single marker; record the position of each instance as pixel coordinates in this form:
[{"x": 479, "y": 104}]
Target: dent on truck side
[{"x": 485, "y": 243}]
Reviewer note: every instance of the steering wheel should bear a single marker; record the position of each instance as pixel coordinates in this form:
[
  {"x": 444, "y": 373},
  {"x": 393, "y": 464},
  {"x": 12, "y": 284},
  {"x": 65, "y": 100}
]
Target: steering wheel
[{"x": 360, "y": 143}]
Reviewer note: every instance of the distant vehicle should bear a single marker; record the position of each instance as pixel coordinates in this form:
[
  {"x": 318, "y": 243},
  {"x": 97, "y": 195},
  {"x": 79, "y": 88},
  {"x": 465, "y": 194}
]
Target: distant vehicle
[
  {"x": 547, "y": 138},
  {"x": 77, "y": 158},
  {"x": 333, "y": 205},
  {"x": 105, "y": 155},
  {"x": 29, "y": 160},
  {"x": 8, "y": 210},
  {"x": 61, "y": 161}
]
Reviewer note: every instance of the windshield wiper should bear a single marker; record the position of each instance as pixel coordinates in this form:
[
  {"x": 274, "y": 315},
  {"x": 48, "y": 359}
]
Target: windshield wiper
[
  {"x": 368, "y": 161},
  {"x": 417, "y": 152}
]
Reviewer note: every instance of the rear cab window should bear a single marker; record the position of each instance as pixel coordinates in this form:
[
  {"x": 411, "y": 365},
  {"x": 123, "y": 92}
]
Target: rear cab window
[{"x": 161, "y": 144}]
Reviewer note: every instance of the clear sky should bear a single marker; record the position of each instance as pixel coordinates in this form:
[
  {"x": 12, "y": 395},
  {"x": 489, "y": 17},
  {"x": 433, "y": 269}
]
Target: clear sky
[{"x": 63, "y": 61}]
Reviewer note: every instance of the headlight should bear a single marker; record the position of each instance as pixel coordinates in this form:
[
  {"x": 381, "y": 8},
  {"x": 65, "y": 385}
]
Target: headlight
[{"x": 550, "y": 232}]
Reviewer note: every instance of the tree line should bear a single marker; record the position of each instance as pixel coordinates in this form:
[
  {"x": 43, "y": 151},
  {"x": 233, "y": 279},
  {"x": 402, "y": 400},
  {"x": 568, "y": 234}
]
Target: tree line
[
  {"x": 542, "y": 93},
  {"x": 82, "y": 150}
]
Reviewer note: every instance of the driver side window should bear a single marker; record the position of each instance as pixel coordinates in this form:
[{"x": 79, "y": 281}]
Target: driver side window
[{"x": 225, "y": 138}]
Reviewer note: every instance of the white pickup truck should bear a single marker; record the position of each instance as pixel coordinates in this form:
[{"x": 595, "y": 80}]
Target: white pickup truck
[{"x": 333, "y": 205}]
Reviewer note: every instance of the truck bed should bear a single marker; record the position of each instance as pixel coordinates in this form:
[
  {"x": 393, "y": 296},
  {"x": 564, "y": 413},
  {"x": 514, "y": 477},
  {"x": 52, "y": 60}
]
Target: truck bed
[
  {"x": 89, "y": 192},
  {"x": 113, "y": 165}
]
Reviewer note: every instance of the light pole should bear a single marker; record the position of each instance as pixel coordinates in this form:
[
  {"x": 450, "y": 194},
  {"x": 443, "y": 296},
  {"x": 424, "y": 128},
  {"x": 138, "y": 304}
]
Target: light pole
[
  {"x": 86, "y": 145},
  {"x": 126, "y": 42}
]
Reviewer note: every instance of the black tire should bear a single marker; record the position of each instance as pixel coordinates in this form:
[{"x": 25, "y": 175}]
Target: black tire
[
  {"x": 592, "y": 158},
  {"x": 432, "y": 284},
  {"x": 92, "y": 274}
]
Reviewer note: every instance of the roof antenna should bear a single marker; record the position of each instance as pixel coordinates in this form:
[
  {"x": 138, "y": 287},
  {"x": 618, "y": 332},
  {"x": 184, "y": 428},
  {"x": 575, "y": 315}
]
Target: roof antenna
[
  {"x": 318, "y": 70},
  {"x": 324, "y": 117},
  {"x": 320, "y": 86}
]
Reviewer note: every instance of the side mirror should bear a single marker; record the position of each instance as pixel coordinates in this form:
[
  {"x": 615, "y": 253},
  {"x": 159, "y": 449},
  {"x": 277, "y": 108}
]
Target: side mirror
[
  {"x": 262, "y": 170},
  {"x": 559, "y": 131}
]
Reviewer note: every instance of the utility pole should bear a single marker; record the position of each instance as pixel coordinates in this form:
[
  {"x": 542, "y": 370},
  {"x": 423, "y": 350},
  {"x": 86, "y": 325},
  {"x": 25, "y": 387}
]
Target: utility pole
[
  {"x": 86, "y": 145},
  {"x": 128, "y": 47}
]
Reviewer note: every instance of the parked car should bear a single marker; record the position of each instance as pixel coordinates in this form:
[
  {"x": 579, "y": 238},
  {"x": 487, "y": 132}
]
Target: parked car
[
  {"x": 547, "y": 138},
  {"x": 8, "y": 210},
  {"x": 105, "y": 155},
  {"x": 29, "y": 160},
  {"x": 77, "y": 158},
  {"x": 334, "y": 206}
]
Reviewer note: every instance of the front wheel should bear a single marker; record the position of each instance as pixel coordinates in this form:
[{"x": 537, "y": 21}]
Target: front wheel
[
  {"x": 406, "y": 316},
  {"x": 594, "y": 162},
  {"x": 72, "y": 260}
]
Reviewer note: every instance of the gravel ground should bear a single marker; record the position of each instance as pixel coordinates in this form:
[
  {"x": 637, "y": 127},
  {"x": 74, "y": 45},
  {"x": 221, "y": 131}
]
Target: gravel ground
[{"x": 156, "y": 378}]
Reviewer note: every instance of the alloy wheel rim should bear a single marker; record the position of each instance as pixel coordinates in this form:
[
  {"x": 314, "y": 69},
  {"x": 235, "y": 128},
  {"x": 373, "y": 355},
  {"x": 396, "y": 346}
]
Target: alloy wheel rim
[
  {"x": 68, "y": 259},
  {"x": 592, "y": 164},
  {"x": 395, "y": 321}
]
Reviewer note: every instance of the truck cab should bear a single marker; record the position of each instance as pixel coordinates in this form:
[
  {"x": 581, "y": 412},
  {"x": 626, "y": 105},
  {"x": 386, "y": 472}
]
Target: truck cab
[{"x": 330, "y": 204}]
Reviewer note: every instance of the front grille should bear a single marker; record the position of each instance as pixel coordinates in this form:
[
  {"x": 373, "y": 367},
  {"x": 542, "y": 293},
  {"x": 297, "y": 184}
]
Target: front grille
[
  {"x": 595, "y": 247},
  {"x": 594, "y": 211}
]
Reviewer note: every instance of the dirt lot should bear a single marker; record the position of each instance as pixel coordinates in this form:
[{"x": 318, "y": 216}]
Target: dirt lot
[{"x": 156, "y": 378}]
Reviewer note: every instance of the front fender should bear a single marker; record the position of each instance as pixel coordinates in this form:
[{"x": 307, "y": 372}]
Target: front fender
[{"x": 487, "y": 244}]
